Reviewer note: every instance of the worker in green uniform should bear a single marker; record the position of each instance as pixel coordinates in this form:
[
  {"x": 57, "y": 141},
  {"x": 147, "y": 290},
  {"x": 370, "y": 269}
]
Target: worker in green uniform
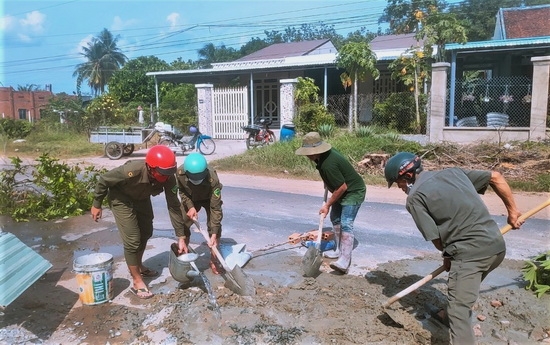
[
  {"x": 129, "y": 188},
  {"x": 199, "y": 187},
  {"x": 347, "y": 190},
  {"x": 448, "y": 210}
]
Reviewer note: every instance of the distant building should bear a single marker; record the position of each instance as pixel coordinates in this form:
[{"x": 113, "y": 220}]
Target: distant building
[{"x": 23, "y": 105}]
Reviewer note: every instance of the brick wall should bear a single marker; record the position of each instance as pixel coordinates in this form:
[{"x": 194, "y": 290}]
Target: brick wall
[{"x": 24, "y": 105}]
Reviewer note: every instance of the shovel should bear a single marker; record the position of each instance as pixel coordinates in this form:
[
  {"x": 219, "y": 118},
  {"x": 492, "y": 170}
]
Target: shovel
[
  {"x": 235, "y": 279},
  {"x": 398, "y": 317},
  {"x": 312, "y": 260}
]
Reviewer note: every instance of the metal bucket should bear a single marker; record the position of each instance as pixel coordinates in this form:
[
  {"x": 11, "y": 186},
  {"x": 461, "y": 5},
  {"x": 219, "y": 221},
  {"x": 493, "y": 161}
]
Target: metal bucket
[
  {"x": 181, "y": 267},
  {"x": 94, "y": 276}
]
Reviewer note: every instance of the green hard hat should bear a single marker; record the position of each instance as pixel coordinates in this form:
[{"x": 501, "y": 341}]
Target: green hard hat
[
  {"x": 195, "y": 166},
  {"x": 400, "y": 164}
]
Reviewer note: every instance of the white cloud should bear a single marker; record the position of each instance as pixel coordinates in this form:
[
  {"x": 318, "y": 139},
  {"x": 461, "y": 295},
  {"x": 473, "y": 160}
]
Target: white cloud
[
  {"x": 83, "y": 43},
  {"x": 24, "y": 38},
  {"x": 7, "y": 23},
  {"x": 33, "y": 21},
  {"x": 119, "y": 24},
  {"x": 173, "y": 19}
]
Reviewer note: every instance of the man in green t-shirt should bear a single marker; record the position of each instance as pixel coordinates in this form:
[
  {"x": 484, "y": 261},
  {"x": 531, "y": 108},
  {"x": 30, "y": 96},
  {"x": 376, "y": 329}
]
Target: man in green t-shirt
[
  {"x": 448, "y": 210},
  {"x": 347, "y": 190}
]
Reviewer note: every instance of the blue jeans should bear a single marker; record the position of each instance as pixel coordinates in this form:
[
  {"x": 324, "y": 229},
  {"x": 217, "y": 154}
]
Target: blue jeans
[{"x": 344, "y": 215}]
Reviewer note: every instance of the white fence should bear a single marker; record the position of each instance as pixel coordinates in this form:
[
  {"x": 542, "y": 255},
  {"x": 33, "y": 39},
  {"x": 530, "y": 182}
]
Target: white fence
[{"x": 229, "y": 112}]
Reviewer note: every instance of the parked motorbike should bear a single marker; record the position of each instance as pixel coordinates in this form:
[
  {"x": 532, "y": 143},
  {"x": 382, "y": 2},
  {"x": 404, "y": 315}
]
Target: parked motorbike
[
  {"x": 173, "y": 138},
  {"x": 259, "y": 134}
]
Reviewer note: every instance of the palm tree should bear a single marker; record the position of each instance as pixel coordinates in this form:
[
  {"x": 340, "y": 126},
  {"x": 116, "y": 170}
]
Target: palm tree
[
  {"x": 28, "y": 87},
  {"x": 210, "y": 54},
  {"x": 359, "y": 61},
  {"x": 104, "y": 59}
]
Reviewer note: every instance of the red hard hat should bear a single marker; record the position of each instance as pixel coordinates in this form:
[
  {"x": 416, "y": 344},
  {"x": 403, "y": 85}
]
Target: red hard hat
[{"x": 162, "y": 159}]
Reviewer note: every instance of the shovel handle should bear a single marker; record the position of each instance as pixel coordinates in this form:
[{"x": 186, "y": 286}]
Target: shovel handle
[
  {"x": 214, "y": 248},
  {"x": 441, "y": 269},
  {"x": 321, "y": 221}
]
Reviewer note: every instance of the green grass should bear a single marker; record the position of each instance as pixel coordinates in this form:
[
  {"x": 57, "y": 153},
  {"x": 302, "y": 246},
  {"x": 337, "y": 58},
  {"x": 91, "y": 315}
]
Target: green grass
[
  {"x": 280, "y": 160},
  {"x": 58, "y": 144}
]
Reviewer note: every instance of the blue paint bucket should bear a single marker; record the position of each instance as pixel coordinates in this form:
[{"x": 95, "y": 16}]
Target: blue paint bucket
[{"x": 287, "y": 132}]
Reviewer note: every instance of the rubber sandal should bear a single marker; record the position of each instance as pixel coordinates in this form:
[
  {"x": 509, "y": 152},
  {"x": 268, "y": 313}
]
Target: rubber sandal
[
  {"x": 142, "y": 293},
  {"x": 149, "y": 273}
]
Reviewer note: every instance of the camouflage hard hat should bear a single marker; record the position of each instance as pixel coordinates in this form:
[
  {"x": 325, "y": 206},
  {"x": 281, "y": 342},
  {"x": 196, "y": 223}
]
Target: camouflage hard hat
[{"x": 400, "y": 164}]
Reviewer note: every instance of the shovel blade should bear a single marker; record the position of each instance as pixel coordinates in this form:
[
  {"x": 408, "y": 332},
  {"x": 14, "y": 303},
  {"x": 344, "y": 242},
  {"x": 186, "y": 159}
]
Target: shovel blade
[
  {"x": 238, "y": 282},
  {"x": 311, "y": 262}
]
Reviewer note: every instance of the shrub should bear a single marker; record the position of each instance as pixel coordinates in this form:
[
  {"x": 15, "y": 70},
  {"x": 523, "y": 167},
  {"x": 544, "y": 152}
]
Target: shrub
[
  {"x": 55, "y": 190},
  {"x": 312, "y": 116},
  {"x": 537, "y": 273},
  {"x": 397, "y": 112},
  {"x": 15, "y": 129},
  {"x": 326, "y": 130}
]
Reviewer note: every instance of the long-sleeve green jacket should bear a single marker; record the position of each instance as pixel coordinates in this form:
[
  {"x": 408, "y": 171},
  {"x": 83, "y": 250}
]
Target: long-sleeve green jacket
[
  {"x": 206, "y": 194},
  {"x": 130, "y": 181}
]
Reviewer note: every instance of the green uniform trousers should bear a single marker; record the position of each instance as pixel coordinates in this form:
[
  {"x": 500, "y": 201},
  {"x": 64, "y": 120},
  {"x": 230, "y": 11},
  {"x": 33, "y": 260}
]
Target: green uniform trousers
[
  {"x": 134, "y": 220},
  {"x": 465, "y": 277}
]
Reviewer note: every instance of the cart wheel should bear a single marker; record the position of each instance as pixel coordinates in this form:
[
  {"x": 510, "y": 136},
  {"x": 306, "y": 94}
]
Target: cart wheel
[
  {"x": 128, "y": 149},
  {"x": 114, "y": 150}
]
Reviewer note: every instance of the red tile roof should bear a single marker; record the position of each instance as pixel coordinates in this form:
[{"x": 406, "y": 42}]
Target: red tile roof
[{"x": 527, "y": 22}]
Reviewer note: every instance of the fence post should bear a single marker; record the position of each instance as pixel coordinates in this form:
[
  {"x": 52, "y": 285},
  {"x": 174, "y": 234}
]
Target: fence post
[
  {"x": 204, "y": 107},
  {"x": 539, "y": 99},
  {"x": 438, "y": 101},
  {"x": 286, "y": 99}
]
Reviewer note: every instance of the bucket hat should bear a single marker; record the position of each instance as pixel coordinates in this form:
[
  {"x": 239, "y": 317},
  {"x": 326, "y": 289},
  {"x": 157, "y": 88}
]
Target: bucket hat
[{"x": 312, "y": 145}]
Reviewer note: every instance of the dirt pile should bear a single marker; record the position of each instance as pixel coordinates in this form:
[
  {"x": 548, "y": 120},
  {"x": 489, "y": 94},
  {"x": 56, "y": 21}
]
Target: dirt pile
[{"x": 288, "y": 309}]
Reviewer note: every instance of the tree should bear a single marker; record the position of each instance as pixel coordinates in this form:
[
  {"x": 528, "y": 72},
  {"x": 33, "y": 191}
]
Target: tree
[
  {"x": 131, "y": 84},
  {"x": 104, "y": 58},
  {"x": 412, "y": 69},
  {"x": 210, "y": 54},
  {"x": 28, "y": 87},
  {"x": 69, "y": 108},
  {"x": 439, "y": 29},
  {"x": 252, "y": 46},
  {"x": 304, "y": 33},
  {"x": 359, "y": 62},
  {"x": 402, "y": 15},
  {"x": 479, "y": 16}
]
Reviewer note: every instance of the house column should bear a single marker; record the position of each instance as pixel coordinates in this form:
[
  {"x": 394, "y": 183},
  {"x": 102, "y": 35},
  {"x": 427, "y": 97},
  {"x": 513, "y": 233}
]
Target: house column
[
  {"x": 438, "y": 99},
  {"x": 287, "y": 106},
  {"x": 204, "y": 107},
  {"x": 539, "y": 99}
]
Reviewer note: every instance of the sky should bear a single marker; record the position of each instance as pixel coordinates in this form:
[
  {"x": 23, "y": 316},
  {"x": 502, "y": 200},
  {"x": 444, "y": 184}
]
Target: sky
[{"x": 42, "y": 40}]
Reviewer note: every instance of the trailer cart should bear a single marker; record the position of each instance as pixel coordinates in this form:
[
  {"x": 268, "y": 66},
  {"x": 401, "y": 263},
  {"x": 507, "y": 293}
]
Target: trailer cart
[{"x": 121, "y": 142}]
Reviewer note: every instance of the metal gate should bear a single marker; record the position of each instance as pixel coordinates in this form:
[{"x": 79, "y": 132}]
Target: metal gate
[{"x": 229, "y": 112}]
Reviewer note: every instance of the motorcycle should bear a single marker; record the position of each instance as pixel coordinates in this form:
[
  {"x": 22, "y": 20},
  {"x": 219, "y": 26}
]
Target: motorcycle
[
  {"x": 259, "y": 134},
  {"x": 173, "y": 138}
]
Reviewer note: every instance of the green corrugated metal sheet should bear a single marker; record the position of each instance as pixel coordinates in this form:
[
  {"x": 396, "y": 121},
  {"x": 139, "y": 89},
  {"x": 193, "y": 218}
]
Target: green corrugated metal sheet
[
  {"x": 20, "y": 267},
  {"x": 516, "y": 42}
]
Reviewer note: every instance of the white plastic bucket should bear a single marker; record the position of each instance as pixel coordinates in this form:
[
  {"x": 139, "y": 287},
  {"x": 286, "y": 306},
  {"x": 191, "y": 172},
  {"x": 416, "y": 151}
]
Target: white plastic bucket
[{"x": 94, "y": 276}]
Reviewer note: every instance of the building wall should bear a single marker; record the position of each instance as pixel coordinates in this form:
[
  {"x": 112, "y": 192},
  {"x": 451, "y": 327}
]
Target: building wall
[{"x": 22, "y": 105}]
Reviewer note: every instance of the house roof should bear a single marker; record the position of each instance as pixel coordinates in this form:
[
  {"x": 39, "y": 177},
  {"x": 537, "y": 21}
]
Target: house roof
[
  {"x": 523, "y": 22},
  {"x": 494, "y": 45},
  {"x": 390, "y": 47},
  {"x": 282, "y": 56},
  {"x": 284, "y": 50}
]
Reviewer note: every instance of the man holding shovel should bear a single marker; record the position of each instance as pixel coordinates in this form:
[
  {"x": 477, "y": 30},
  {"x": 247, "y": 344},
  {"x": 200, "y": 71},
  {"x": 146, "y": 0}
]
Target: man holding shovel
[
  {"x": 448, "y": 211},
  {"x": 199, "y": 186},
  {"x": 347, "y": 190}
]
